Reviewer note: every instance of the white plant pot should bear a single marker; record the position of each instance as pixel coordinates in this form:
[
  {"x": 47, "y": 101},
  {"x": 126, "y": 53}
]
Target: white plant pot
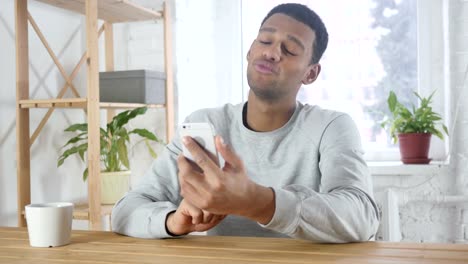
[{"x": 114, "y": 185}]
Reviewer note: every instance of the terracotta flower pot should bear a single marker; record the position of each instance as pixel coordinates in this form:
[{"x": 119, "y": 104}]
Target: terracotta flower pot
[{"x": 414, "y": 147}]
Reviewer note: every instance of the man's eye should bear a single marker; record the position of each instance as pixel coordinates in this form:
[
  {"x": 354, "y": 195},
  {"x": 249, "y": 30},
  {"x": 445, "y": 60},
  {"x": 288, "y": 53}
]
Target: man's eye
[
  {"x": 287, "y": 52},
  {"x": 264, "y": 42}
]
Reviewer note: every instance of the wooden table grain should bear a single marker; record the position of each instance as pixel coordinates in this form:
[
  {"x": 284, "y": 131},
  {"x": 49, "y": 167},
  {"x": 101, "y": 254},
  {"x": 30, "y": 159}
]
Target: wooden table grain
[{"x": 107, "y": 247}]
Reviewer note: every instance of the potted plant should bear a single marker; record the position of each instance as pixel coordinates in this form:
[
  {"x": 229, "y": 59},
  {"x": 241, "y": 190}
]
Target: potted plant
[
  {"x": 115, "y": 171},
  {"x": 413, "y": 128}
]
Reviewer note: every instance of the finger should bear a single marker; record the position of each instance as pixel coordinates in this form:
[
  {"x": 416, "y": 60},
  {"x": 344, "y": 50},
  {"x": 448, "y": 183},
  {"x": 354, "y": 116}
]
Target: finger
[
  {"x": 191, "y": 189},
  {"x": 186, "y": 167},
  {"x": 192, "y": 183},
  {"x": 178, "y": 222},
  {"x": 196, "y": 214},
  {"x": 206, "y": 226},
  {"x": 229, "y": 156},
  {"x": 217, "y": 219},
  {"x": 187, "y": 163},
  {"x": 213, "y": 157},
  {"x": 200, "y": 157},
  {"x": 183, "y": 164},
  {"x": 207, "y": 217},
  {"x": 188, "y": 170}
]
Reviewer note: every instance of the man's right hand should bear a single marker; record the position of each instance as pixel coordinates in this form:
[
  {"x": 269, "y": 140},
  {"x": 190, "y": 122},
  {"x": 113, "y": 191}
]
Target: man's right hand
[{"x": 188, "y": 218}]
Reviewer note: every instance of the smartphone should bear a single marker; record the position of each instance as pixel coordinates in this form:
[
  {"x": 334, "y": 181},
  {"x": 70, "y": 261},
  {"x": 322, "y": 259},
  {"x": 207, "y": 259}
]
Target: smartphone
[{"x": 203, "y": 134}]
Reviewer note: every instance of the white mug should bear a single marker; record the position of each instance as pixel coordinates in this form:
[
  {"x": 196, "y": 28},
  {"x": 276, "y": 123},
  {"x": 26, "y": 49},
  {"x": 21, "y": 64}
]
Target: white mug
[{"x": 49, "y": 224}]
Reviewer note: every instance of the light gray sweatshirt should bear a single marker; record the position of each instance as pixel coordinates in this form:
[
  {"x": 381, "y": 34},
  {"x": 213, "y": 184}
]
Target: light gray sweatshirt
[{"x": 314, "y": 164}]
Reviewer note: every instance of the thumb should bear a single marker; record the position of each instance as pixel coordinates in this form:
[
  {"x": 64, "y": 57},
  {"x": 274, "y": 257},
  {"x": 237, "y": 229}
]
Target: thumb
[{"x": 229, "y": 156}]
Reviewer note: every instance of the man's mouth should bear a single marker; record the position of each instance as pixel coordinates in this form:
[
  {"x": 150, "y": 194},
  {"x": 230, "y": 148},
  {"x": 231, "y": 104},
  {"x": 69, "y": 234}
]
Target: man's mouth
[{"x": 264, "y": 67}]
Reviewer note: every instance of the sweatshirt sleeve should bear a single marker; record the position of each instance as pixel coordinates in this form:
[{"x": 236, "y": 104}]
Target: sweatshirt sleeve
[
  {"x": 343, "y": 210},
  {"x": 142, "y": 212}
]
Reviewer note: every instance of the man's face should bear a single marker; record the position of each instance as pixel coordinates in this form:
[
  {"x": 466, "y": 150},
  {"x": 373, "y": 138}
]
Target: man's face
[{"x": 279, "y": 58}]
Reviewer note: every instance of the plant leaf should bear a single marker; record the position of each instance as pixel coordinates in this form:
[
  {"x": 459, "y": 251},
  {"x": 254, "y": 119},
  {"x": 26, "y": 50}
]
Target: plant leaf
[
  {"x": 150, "y": 149},
  {"x": 145, "y": 134},
  {"x": 60, "y": 161},
  {"x": 392, "y": 101},
  {"x": 85, "y": 174},
  {"x": 77, "y": 127},
  {"x": 122, "y": 119},
  {"x": 71, "y": 151},
  {"x": 112, "y": 156},
  {"x": 417, "y": 95},
  {"x": 81, "y": 152},
  {"x": 437, "y": 133},
  {"x": 123, "y": 154},
  {"x": 422, "y": 119},
  {"x": 75, "y": 139},
  {"x": 430, "y": 97},
  {"x": 103, "y": 133},
  {"x": 113, "y": 140}
]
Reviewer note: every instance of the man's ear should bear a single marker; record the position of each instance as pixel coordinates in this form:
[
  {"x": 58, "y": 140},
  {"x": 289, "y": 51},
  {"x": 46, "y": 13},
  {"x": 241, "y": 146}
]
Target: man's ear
[
  {"x": 312, "y": 74},
  {"x": 248, "y": 55}
]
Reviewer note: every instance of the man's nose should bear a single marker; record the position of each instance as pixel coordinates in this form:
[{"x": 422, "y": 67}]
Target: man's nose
[{"x": 272, "y": 53}]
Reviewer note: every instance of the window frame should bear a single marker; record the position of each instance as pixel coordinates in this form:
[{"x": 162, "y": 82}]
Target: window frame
[{"x": 432, "y": 62}]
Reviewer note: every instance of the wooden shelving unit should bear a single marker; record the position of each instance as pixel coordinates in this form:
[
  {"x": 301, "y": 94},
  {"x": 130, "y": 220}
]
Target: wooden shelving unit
[
  {"x": 81, "y": 211},
  {"x": 110, "y": 11},
  {"x": 80, "y": 103}
]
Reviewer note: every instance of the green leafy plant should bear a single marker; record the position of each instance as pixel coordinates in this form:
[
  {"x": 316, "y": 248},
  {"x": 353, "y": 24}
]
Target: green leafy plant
[
  {"x": 420, "y": 120},
  {"x": 114, "y": 140}
]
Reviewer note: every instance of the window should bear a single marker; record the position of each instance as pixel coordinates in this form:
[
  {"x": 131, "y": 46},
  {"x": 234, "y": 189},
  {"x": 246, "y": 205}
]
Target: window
[{"x": 372, "y": 49}]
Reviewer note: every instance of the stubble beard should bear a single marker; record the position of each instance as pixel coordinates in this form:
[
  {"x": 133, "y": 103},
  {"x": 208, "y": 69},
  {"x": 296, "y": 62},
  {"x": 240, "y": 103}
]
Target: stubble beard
[{"x": 266, "y": 92}]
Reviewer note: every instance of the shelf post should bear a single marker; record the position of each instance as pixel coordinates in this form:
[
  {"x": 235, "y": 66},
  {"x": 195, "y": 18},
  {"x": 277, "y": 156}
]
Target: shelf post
[
  {"x": 23, "y": 155},
  {"x": 109, "y": 52},
  {"x": 94, "y": 178},
  {"x": 169, "y": 71}
]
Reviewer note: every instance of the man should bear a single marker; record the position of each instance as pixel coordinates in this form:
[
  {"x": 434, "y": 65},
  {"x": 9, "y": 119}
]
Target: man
[{"x": 291, "y": 170}]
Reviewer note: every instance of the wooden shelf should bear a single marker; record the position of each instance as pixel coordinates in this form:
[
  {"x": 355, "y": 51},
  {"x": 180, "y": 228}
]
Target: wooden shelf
[
  {"x": 54, "y": 103},
  {"x": 112, "y": 11},
  {"x": 128, "y": 105},
  {"x": 81, "y": 212},
  {"x": 80, "y": 103}
]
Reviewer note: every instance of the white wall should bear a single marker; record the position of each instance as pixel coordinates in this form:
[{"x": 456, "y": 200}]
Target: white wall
[
  {"x": 208, "y": 62},
  {"x": 209, "y": 55},
  {"x": 7, "y": 116},
  {"x": 458, "y": 72}
]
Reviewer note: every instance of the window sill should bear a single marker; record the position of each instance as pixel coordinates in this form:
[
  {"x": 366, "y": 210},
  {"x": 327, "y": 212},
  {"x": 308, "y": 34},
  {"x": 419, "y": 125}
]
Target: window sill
[{"x": 396, "y": 168}]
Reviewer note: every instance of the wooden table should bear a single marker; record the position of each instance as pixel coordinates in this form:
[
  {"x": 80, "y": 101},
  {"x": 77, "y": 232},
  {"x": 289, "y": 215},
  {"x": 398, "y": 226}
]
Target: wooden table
[{"x": 107, "y": 247}]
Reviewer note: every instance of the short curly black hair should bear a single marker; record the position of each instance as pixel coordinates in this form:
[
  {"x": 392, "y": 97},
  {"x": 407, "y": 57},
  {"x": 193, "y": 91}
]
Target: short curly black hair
[{"x": 307, "y": 16}]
